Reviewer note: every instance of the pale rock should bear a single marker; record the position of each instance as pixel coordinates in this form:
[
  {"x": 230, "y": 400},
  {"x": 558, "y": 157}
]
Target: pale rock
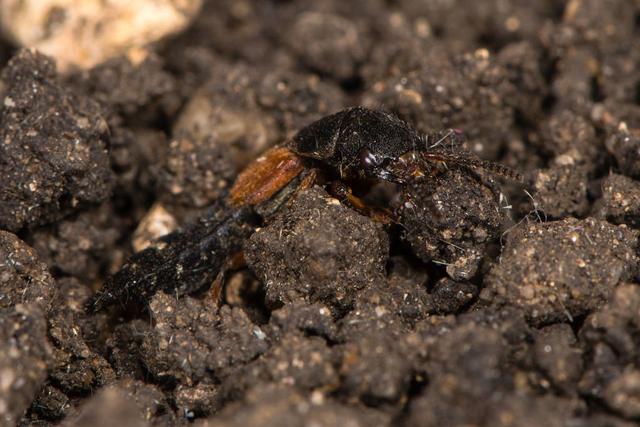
[{"x": 84, "y": 33}]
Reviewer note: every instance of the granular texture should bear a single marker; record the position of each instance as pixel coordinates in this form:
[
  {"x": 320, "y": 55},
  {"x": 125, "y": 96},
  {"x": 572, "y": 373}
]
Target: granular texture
[
  {"x": 453, "y": 242},
  {"x": 564, "y": 269},
  {"x": 53, "y": 156}
]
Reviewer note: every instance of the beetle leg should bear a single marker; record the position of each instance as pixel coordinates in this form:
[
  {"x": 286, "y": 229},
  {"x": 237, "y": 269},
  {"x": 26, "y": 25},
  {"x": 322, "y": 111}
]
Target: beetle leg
[
  {"x": 234, "y": 262},
  {"x": 343, "y": 193},
  {"x": 309, "y": 180}
]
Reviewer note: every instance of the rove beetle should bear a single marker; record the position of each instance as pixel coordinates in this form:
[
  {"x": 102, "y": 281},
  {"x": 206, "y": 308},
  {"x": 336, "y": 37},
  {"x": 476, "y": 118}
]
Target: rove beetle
[{"x": 353, "y": 145}]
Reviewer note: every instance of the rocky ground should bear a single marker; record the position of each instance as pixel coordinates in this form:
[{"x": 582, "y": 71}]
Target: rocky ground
[{"x": 492, "y": 303}]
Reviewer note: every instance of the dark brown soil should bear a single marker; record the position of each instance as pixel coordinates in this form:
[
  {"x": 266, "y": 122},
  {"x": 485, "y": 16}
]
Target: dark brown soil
[{"x": 490, "y": 303}]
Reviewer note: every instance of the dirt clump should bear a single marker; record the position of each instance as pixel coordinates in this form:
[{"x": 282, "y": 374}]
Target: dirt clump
[
  {"x": 24, "y": 279},
  {"x": 451, "y": 220},
  {"x": 620, "y": 200},
  {"x": 188, "y": 345},
  {"x": 54, "y": 156},
  {"x": 336, "y": 252},
  {"x": 561, "y": 270}
]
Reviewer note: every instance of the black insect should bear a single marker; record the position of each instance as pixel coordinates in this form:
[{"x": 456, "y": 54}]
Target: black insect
[
  {"x": 353, "y": 145},
  {"x": 359, "y": 142}
]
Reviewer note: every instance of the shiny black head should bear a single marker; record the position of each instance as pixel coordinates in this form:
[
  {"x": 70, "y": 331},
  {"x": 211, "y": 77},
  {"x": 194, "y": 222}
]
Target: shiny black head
[{"x": 358, "y": 142}]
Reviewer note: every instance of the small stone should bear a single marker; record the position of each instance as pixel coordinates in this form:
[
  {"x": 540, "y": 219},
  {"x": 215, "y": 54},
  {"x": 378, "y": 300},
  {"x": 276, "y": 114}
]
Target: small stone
[
  {"x": 97, "y": 30},
  {"x": 156, "y": 223}
]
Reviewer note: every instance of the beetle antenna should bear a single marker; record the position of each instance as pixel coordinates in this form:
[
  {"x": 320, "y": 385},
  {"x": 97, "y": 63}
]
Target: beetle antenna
[{"x": 467, "y": 160}]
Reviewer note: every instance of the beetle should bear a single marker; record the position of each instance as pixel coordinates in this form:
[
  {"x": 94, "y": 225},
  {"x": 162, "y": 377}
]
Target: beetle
[{"x": 353, "y": 145}]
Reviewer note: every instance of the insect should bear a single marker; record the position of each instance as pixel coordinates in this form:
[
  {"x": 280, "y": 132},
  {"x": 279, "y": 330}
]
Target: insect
[{"x": 355, "y": 145}]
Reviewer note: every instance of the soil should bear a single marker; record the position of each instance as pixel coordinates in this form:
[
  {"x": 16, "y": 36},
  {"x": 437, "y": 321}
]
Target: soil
[{"x": 488, "y": 303}]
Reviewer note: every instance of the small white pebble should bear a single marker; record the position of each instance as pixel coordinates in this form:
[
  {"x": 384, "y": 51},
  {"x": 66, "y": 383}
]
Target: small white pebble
[{"x": 259, "y": 333}]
